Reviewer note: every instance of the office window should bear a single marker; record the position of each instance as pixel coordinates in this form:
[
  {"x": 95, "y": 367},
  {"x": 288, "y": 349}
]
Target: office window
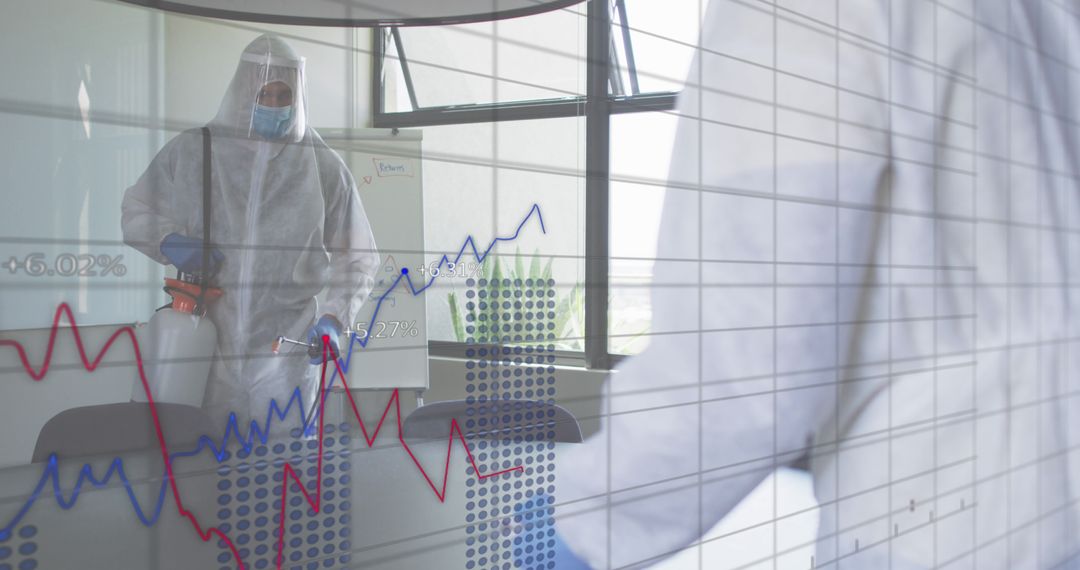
[
  {"x": 505, "y": 108},
  {"x": 639, "y": 171},
  {"x": 653, "y": 43},
  {"x": 525, "y": 59},
  {"x": 477, "y": 187}
]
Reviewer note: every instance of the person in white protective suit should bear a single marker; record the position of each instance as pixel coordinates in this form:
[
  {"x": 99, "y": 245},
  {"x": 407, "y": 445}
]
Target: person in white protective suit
[
  {"x": 287, "y": 223},
  {"x": 866, "y": 259}
]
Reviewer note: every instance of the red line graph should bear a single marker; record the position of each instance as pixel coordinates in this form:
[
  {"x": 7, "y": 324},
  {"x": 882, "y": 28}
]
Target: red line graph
[{"x": 289, "y": 473}]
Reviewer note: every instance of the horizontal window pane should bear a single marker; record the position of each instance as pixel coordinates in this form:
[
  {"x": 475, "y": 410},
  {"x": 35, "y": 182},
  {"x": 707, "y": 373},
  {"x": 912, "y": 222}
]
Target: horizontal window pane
[{"x": 540, "y": 57}]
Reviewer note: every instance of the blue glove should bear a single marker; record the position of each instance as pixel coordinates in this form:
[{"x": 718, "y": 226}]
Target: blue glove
[
  {"x": 186, "y": 253},
  {"x": 327, "y": 325},
  {"x": 530, "y": 545}
]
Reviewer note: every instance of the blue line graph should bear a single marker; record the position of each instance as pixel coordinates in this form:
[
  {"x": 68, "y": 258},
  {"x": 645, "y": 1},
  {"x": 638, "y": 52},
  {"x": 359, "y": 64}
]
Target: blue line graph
[{"x": 51, "y": 473}]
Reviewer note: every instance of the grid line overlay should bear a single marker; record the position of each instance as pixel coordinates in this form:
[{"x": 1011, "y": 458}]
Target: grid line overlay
[
  {"x": 877, "y": 217},
  {"x": 948, "y": 305}
]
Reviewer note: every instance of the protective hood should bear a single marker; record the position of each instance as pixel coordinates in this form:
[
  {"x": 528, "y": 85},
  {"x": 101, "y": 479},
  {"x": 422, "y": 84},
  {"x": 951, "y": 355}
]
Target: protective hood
[{"x": 265, "y": 60}]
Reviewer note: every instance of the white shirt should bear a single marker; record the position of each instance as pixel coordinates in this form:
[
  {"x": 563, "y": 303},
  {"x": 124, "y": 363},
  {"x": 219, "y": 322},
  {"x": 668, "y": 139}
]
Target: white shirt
[{"x": 866, "y": 255}]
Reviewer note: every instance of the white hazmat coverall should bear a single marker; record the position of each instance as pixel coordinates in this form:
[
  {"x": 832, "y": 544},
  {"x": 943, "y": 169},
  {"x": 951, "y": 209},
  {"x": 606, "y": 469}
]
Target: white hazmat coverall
[
  {"x": 287, "y": 217},
  {"x": 867, "y": 256}
]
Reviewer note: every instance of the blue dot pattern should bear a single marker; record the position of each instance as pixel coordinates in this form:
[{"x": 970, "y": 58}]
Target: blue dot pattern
[
  {"x": 510, "y": 385},
  {"x": 249, "y": 504},
  {"x": 17, "y": 551}
]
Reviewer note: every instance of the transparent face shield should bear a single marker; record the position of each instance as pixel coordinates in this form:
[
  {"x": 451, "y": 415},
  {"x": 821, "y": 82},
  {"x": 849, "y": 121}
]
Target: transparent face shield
[
  {"x": 278, "y": 109},
  {"x": 267, "y": 98}
]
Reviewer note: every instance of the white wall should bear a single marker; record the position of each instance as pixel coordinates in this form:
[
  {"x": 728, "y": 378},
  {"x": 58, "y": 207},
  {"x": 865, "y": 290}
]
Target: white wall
[{"x": 78, "y": 108}]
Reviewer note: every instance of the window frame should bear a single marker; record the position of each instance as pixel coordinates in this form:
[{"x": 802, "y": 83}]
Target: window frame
[{"x": 596, "y": 106}]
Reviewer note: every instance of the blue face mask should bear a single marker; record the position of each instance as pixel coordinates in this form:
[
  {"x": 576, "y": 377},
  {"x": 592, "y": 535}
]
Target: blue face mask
[{"x": 271, "y": 122}]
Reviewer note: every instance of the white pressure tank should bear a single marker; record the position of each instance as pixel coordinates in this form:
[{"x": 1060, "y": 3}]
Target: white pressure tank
[{"x": 177, "y": 349}]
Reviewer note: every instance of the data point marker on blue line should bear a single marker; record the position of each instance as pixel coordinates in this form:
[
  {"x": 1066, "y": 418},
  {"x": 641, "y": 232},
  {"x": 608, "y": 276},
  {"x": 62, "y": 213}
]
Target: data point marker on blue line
[{"x": 404, "y": 270}]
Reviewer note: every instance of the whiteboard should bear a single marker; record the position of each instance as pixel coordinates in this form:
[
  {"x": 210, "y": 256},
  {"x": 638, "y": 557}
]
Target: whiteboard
[{"x": 390, "y": 351}]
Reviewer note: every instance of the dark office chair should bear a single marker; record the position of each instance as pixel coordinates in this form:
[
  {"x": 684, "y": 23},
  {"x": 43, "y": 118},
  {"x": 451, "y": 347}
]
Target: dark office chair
[
  {"x": 433, "y": 420},
  {"x": 112, "y": 429}
]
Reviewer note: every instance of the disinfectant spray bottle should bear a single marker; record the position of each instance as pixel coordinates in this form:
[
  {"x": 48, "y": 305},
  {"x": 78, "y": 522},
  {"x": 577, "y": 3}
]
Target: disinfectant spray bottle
[{"x": 179, "y": 344}]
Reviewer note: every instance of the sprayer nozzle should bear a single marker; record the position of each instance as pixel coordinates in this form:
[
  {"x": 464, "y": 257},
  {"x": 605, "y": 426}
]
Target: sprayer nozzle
[{"x": 276, "y": 346}]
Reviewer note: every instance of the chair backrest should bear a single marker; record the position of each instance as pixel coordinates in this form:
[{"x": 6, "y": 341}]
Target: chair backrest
[
  {"x": 28, "y": 405},
  {"x": 119, "y": 428}
]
